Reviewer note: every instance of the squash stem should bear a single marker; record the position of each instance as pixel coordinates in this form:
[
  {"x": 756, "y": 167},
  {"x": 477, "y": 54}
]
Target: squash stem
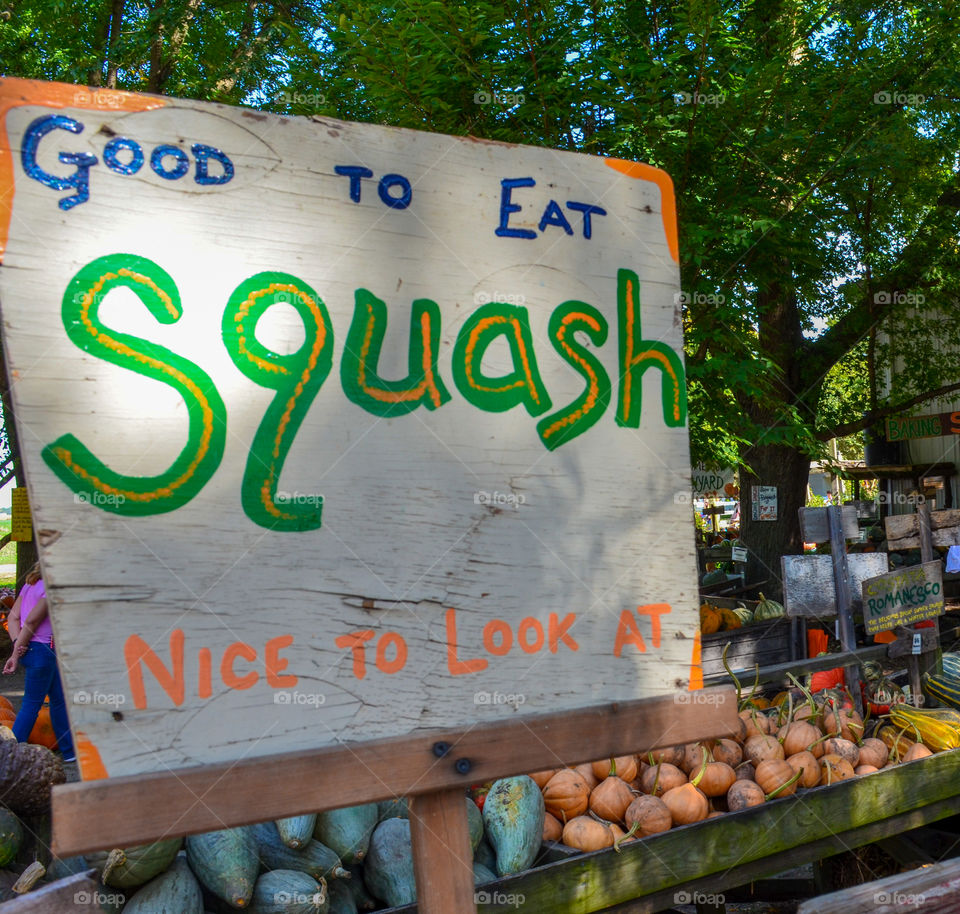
[
  {"x": 618, "y": 841},
  {"x": 703, "y": 767},
  {"x": 785, "y": 785},
  {"x": 736, "y": 682}
]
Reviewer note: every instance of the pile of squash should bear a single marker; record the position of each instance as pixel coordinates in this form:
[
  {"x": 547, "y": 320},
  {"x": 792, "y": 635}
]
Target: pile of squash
[{"x": 777, "y": 751}]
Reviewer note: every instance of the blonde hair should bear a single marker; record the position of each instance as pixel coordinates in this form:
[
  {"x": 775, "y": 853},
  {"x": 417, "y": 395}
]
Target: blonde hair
[{"x": 34, "y": 574}]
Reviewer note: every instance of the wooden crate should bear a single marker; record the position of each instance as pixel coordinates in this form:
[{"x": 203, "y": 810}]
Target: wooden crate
[
  {"x": 766, "y": 643},
  {"x": 720, "y": 854}
]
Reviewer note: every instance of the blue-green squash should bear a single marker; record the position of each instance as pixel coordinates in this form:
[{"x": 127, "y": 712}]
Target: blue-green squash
[
  {"x": 342, "y": 900},
  {"x": 513, "y": 816},
  {"x": 393, "y": 809},
  {"x": 347, "y": 831},
  {"x": 226, "y": 863},
  {"x": 485, "y": 854},
  {"x": 358, "y": 888},
  {"x": 289, "y": 892},
  {"x": 388, "y": 868},
  {"x": 314, "y": 859},
  {"x": 474, "y": 824},
  {"x": 175, "y": 891},
  {"x": 128, "y": 867},
  {"x": 11, "y": 836},
  {"x": 296, "y": 831},
  {"x": 481, "y": 874},
  {"x": 61, "y": 867}
]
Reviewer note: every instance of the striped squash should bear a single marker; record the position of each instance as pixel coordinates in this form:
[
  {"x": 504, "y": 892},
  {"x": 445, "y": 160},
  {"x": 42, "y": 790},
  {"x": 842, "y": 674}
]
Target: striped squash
[
  {"x": 951, "y": 665},
  {"x": 944, "y": 688}
]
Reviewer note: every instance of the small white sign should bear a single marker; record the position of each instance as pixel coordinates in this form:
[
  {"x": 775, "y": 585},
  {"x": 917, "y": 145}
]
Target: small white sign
[
  {"x": 764, "y": 500},
  {"x": 738, "y": 553},
  {"x": 917, "y": 643}
]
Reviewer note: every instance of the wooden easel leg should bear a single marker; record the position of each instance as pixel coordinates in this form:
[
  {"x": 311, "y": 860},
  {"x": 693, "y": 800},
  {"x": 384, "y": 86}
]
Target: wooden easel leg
[{"x": 442, "y": 858}]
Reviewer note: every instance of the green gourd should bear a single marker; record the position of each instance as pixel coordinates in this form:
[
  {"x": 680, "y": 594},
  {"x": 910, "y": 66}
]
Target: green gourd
[
  {"x": 474, "y": 824},
  {"x": 226, "y": 863},
  {"x": 289, "y": 892},
  {"x": 314, "y": 859},
  {"x": 347, "y": 831},
  {"x": 481, "y": 874},
  {"x": 388, "y": 868},
  {"x": 296, "y": 831},
  {"x": 175, "y": 891},
  {"x": 129, "y": 867},
  {"x": 513, "y": 815},
  {"x": 767, "y": 610},
  {"x": 485, "y": 854},
  {"x": 342, "y": 900}
]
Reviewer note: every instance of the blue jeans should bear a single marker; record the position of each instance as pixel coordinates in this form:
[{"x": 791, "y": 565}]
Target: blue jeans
[{"x": 42, "y": 678}]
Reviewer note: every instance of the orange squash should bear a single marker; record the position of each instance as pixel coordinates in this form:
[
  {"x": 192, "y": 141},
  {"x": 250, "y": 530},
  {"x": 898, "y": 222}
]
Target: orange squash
[
  {"x": 540, "y": 778},
  {"x": 587, "y": 834},
  {"x": 566, "y": 795},
  {"x": 610, "y": 799},
  {"x": 552, "y": 828},
  {"x": 6, "y": 703},
  {"x": 42, "y": 733},
  {"x": 710, "y": 620},
  {"x": 586, "y": 772},
  {"x": 623, "y": 767},
  {"x": 648, "y": 815}
]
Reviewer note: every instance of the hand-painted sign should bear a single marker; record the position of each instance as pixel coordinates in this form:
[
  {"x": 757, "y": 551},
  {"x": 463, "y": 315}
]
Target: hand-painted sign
[
  {"x": 764, "y": 502},
  {"x": 339, "y": 432},
  {"x": 21, "y": 523},
  {"x": 714, "y": 483},
  {"x": 932, "y": 426},
  {"x": 903, "y": 597}
]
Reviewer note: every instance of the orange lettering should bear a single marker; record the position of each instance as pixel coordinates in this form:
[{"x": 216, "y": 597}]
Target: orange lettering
[
  {"x": 355, "y": 641},
  {"x": 136, "y": 651},
  {"x": 230, "y": 679},
  {"x": 459, "y": 667},
  {"x": 525, "y": 626},
  {"x": 654, "y": 611},
  {"x": 204, "y": 684},
  {"x": 397, "y": 664},
  {"x": 274, "y": 664},
  {"x": 628, "y": 633},
  {"x": 557, "y": 631},
  {"x": 493, "y": 627},
  {"x": 955, "y": 423}
]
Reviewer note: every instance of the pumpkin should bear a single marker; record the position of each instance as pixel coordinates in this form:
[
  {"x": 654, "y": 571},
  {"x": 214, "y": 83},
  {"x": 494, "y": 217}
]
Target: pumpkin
[
  {"x": 661, "y": 778},
  {"x": 6, "y": 703},
  {"x": 587, "y": 834},
  {"x": 647, "y": 815},
  {"x": 692, "y": 758},
  {"x": 671, "y": 754},
  {"x": 7, "y": 718},
  {"x": 776, "y": 777},
  {"x": 806, "y": 763},
  {"x": 757, "y": 724},
  {"x": 586, "y": 772},
  {"x": 844, "y": 748},
  {"x": 767, "y": 610},
  {"x": 718, "y": 778},
  {"x": 566, "y": 795},
  {"x": 800, "y": 736},
  {"x": 865, "y": 769},
  {"x": 745, "y": 771},
  {"x": 917, "y": 750},
  {"x": 726, "y": 750},
  {"x": 743, "y": 795},
  {"x": 729, "y": 620},
  {"x": 834, "y": 768},
  {"x": 540, "y": 778},
  {"x": 552, "y": 828},
  {"x": 623, "y": 767},
  {"x": 42, "y": 733},
  {"x": 759, "y": 749},
  {"x": 27, "y": 776},
  {"x": 710, "y": 619},
  {"x": 843, "y": 722},
  {"x": 610, "y": 799},
  {"x": 874, "y": 752}
]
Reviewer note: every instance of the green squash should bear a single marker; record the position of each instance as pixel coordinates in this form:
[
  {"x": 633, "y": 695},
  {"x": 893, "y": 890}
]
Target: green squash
[
  {"x": 388, "y": 869},
  {"x": 767, "y": 610},
  {"x": 513, "y": 815},
  {"x": 175, "y": 891},
  {"x": 347, "y": 831},
  {"x": 289, "y": 892},
  {"x": 314, "y": 859},
  {"x": 485, "y": 854},
  {"x": 296, "y": 831},
  {"x": 129, "y": 867},
  {"x": 481, "y": 874},
  {"x": 358, "y": 888},
  {"x": 11, "y": 836},
  {"x": 342, "y": 900},
  {"x": 226, "y": 863},
  {"x": 474, "y": 824}
]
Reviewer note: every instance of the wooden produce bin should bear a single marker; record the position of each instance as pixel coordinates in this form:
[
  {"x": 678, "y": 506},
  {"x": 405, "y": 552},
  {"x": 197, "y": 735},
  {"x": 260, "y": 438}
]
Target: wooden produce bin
[
  {"x": 766, "y": 643},
  {"x": 734, "y": 849}
]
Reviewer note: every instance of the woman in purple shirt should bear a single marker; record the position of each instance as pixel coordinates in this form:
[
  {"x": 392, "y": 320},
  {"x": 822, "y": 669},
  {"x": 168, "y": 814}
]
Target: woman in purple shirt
[{"x": 32, "y": 634}]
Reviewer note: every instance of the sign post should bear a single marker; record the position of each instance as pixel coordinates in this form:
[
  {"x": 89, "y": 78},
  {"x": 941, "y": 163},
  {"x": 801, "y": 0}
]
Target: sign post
[{"x": 349, "y": 447}]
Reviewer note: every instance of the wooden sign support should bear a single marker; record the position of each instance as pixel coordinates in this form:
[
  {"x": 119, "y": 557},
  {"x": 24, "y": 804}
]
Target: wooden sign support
[{"x": 841, "y": 583}]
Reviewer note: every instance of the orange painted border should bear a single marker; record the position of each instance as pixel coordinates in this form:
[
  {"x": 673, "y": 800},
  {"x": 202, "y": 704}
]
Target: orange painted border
[
  {"x": 15, "y": 93},
  {"x": 668, "y": 202},
  {"x": 696, "y": 665}
]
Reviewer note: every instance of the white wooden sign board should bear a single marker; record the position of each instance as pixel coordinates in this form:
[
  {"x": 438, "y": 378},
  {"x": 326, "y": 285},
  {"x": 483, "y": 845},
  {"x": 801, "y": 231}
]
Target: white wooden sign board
[
  {"x": 808, "y": 588},
  {"x": 903, "y": 597},
  {"x": 264, "y": 532},
  {"x": 708, "y": 483}
]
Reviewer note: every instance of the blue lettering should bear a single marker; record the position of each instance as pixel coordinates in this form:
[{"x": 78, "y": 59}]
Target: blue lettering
[
  {"x": 507, "y": 207},
  {"x": 83, "y": 161},
  {"x": 553, "y": 215},
  {"x": 160, "y": 153},
  {"x": 203, "y": 153},
  {"x": 355, "y": 173},
  {"x": 114, "y": 164},
  {"x": 388, "y": 181},
  {"x": 588, "y": 210}
]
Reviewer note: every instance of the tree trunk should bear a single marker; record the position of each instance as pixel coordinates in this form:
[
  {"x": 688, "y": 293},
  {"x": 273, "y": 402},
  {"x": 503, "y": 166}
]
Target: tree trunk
[{"x": 788, "y": 469}]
